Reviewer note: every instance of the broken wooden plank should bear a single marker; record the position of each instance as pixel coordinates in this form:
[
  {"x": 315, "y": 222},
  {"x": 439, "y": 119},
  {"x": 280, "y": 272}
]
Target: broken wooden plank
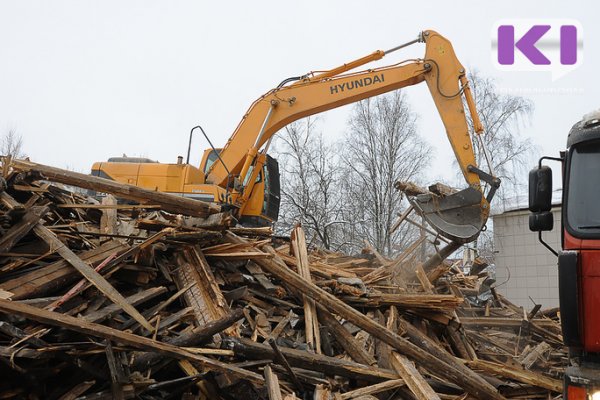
[
  {"x": 416, "y": 301},
  {"x": 340, "y": 334},
  {"x": 110, "y": 207},
  {"x": 419, "y": 338},
  {"x": 311, "y": 322},
  {"x": 470, "y": 381},
  {"x": 197, "y": 336},
  {"x": 520, "y": 375},
  {"x": 248, "y": 349},
  {"x": 373, "y": 389},
  {"x": 205, "y": 296},
  {"x": 413, "y": 379},
  {"x": 116, "y": 373},
  {"x": 136, "y": 299},
  {"x": 242, "y": 255},
  {"x": 382, "y": 260},
  {"x": 272, "y": 383},
  {"x": 90, "y": 274},
  {"x": 168, "y": 202},
  {"x": 108, "y": 221},
  {"x": 424, "y": 280},
  {"x": 22, "y": 228},
  {"x": 140, "y": 342},
  {"x": 87, "y": 271},
  {"x": 77, "y": 391},
  {"x": 529, "y": 358},
  {"x": 261, "y": 278},
  {"x": 280, "y": 359},
  {"x": 500, "y": 322}
]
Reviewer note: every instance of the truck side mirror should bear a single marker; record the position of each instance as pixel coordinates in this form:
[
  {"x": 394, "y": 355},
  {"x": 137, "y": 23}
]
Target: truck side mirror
[
  {"x": 541, "y": 221},
  {"x": 540, "y": 189},
  {"x": 540, "y": 199}
]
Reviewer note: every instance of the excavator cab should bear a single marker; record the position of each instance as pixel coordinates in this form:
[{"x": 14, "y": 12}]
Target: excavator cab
[
  {"x": 262, "y": 208},
  {"x": 209, "y": 157}
]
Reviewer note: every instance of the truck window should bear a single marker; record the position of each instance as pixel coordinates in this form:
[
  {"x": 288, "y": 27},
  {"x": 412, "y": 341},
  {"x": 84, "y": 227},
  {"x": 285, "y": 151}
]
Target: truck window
[{"x": 583, "y": 213}]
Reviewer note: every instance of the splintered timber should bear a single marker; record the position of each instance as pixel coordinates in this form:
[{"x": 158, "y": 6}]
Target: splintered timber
[{"x": 121, "y": 302}]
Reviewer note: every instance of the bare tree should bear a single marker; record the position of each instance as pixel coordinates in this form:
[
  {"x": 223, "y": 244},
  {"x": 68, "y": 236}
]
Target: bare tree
[
  {"x": 310, "y": 184},
  {"x": 11, "y": 144},
  {"x": 381, "y": 147},
  {"x": 502, "y": 116}
]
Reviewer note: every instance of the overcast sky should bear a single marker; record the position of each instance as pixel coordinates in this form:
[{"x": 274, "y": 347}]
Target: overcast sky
[{"x": 82, "y": 81}]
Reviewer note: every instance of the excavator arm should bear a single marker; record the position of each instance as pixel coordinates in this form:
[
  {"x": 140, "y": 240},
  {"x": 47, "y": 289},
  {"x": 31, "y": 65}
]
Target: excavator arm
[{"x": 461, "y": 217}]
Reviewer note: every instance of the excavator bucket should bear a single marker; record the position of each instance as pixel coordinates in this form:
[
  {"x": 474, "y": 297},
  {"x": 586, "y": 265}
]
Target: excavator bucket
[{"x": 459, "y": 216}]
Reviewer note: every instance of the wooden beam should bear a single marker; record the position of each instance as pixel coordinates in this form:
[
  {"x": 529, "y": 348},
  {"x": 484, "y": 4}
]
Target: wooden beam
[
  {"x": 439, "y": 257},
  {"x": 424, "y": 280},
  {"x": 421, "y": 301},
  {"x": 470, "y": 381},
  {"x": 116, "y": 372},
  {"x": 382, "y": 260},
  {"x": 109, "y": 219},
  {"x": 280, "y": 359},
  {"x": 143, "y": 361},
  {"x": 401, "y": 218},
  {"x": 113, "y": 309},
  {"x": 89, "y": 273},
  {"x": 22, "y": 228},
  {"x": 40, "y": 282},
  {"x": 410, "y": 188},
  {"x": 456, "y": 341},
  {"x": 420, "y": 339},
  {"x": 106, "y": 206},
  {"x": 373, "y": 389},
  {"x": 136, "y": 341},
  {"x": 348, "y": 342},
  {"x": 500, "y": 322},
  {"x": 520, "y": 375},
  {"x": 247, "y": 349},
  {"x": 85, "y": 269},
  {"x": 272, "y": 383},
  {"x": 311, "y": 322},
  {"x": 168, "y": 202},
  {"x": 204, "y": 296},
  {"x": 77, "y": 390},
  {"x": 413, "y": 378}
]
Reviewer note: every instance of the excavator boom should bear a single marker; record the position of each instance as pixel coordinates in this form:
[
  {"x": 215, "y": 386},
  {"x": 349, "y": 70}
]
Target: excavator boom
[
  {"x": 460, "y": 216},
  {"x": 240, "y": 173}
]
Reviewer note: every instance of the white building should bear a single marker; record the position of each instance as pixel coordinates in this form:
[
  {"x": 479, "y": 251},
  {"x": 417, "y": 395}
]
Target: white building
[{"x": 525, "y": 269}]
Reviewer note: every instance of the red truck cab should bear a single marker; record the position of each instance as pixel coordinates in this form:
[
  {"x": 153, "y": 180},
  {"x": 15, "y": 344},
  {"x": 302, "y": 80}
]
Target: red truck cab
[{"x": 579, "y": 259}]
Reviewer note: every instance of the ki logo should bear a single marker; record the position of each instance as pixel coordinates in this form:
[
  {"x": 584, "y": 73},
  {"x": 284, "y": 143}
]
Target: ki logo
[{"x": 553, "y": 45}]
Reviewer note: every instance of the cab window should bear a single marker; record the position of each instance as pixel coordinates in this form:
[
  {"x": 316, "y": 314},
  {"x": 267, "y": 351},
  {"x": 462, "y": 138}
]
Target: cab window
[{"x": 210, "y": 160}]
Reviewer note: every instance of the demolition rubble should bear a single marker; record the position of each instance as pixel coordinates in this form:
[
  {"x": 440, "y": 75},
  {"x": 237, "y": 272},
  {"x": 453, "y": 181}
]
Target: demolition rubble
[{"x": 162, "y": 297}]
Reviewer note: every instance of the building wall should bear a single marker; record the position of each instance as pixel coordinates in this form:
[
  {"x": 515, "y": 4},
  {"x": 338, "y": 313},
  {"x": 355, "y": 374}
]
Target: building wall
[{"x": 529, "y": 269}]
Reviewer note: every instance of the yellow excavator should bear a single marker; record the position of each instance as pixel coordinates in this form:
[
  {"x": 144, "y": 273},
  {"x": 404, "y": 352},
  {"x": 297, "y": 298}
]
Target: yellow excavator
[{"x": 243, "y": 177}]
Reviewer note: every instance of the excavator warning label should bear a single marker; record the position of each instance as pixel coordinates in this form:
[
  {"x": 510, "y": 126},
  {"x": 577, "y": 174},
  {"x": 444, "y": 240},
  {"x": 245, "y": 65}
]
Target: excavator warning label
[{"x": 357, "y": 83}]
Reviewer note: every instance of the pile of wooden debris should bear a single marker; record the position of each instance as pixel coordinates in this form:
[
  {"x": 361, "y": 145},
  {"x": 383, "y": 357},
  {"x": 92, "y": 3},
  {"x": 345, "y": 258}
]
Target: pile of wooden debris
[{"x": 165, "y": 299}]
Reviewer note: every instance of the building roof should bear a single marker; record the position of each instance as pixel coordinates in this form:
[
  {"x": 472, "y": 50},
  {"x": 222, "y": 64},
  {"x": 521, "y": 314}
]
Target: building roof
[{"x": 521, "y": 202}]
